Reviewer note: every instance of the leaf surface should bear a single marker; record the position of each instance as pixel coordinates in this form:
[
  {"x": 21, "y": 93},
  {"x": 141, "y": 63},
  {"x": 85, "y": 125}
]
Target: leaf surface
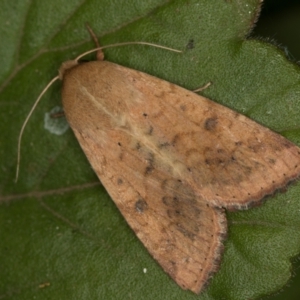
[{"x": 61, "y": 235}]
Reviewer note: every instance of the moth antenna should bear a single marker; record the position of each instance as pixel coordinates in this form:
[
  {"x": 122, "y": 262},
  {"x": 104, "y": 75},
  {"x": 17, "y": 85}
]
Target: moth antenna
[
  {"x": 25, "y": 123},
  {"x": 125, "y": 44}
]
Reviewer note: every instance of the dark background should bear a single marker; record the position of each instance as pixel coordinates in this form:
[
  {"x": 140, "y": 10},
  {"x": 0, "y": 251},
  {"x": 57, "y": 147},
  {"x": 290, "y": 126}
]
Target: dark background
[{"x": 279, "y": 23}]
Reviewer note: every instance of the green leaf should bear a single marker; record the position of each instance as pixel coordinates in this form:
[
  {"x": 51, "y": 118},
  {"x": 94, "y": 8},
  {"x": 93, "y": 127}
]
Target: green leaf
[{"x": 61, "y": 235}]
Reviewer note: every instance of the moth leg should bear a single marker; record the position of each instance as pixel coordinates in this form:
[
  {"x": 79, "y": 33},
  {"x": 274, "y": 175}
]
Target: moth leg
[
  {"x": 57, "y": 115},
  {"x": 200, "y": 89},
  {"x": 99, "y": 53}
]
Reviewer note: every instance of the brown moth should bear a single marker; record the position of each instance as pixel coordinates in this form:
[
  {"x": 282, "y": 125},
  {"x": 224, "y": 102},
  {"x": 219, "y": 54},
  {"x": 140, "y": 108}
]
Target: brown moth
[{"x": 172, "y": 161}]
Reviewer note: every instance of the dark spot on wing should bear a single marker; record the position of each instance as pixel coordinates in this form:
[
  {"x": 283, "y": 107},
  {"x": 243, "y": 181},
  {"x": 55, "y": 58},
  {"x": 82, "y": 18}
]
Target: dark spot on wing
[
  {"x": 141, "y": 205},
  {"x": 137, "y": 146},
  {"x": 210, "y": 124},
  {"x": 163, "y": 145},
  {"x": 150, "y": 164},
  {"x": 150, "y": 131},
  {"x": 183, "y": 107}
]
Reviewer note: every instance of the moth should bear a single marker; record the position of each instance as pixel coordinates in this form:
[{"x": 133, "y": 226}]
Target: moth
[{"x": 172, "y": 161}]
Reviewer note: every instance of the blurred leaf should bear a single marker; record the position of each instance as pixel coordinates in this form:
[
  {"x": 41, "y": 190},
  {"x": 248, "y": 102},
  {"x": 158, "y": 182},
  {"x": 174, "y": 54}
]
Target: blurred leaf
[{"x": 61, "y": 236}]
